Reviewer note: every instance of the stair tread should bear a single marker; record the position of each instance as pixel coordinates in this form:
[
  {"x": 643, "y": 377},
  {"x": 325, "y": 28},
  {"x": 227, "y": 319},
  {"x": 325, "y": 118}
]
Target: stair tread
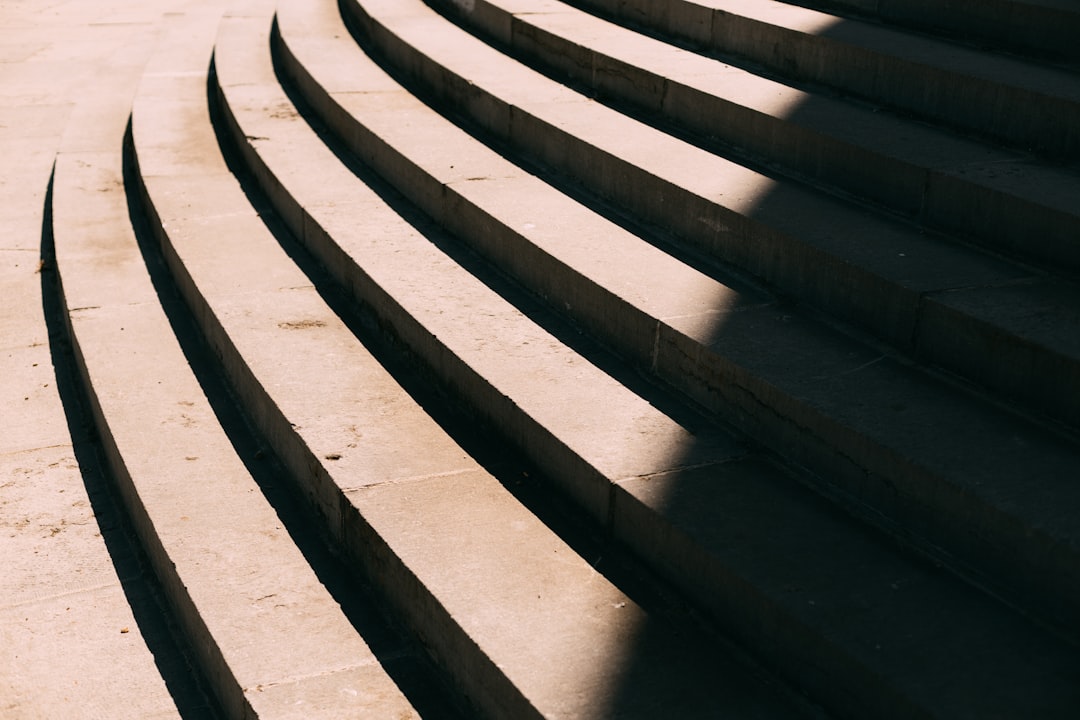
[
  {"x": 338, "y": 429},
  {"x": 946, "y": 57},
  {"x": 743, "y": 352},
  {"x": 752, "y": 529},
  {"x": 824, "y": 390},
  {"x": 281, "y": 151},
  {"x": 817, "y": 248},
  {"x": 849, "y": 146},
  {"x": 965, "y": 88},
  {"x": 196, "y": 534}
]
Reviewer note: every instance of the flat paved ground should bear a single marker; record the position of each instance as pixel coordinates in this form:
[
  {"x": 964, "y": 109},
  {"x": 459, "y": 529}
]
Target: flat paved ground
[{"x": 79, "y": 634}]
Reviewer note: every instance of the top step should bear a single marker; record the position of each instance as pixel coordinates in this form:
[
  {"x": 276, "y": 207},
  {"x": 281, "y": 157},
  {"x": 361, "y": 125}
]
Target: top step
[
  {"x": 1039, "y": 28},
  {"x": 579, "y": 423},
  {"x": 1005, "y": 99}
]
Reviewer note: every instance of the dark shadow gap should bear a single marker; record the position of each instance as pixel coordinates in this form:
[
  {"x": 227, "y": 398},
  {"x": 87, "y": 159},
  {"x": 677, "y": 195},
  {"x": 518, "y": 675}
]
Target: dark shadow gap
[
  {"x": 874, "y": 531},
  {"x": 657, "y": 235},
  {"x": 401, "y": 659},
  {"x": 673, "y": 615},
  {"x": 157, "y": 624},
  {"x": 560, "y": 325},
  {"x": 476, "y": 436}
]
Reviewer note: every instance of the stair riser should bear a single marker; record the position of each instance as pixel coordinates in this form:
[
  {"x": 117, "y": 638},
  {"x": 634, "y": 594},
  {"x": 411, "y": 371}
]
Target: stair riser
[
  {"x": 583, "y": 482},
  {"x": 1024, "y": 27},
  {"x": 483, "y": 684},
  {"x": 855, "y": 465},
  {"x": 941, "y": 200},
  {"x": 1001, "y": 221},
  {"x": 768, "y": 139},
  {"x": 1051, "y": 126},
  {"x": 707, "y": 378},
  {"x": 884, "y": 487},
  {"x": 843, "y": 289},
  {"x": 208, "y": 655},
  {"x": 478, "y": 681},
  {"x": 749, "y": 614},
  {"x": 1030, "y": 374},
  {"x": 780, "y": 260},
  {"x": 894, "y": 313},
  {"x": 752, "y": 619}
]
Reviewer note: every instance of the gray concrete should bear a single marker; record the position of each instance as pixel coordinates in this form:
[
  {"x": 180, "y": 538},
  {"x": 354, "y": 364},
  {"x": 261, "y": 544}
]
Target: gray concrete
[
  {"x": 198, "y": 511},
  {"x": 853, "y": 263}
]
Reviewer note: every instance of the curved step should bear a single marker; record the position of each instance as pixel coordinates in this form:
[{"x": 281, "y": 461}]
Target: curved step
[
  {"x": 525, "y": 626},
  {"x": 685, "y": 519},
  {"x": 887, "y": 277},
  {"x": 265, "y": 631},
  {"x": 869, "y": 424},
  {"x": 961, "y": 87},
  {"x": 81, "y": 630},
  {"x": 1040, "y": 28},
  {"x": 1004, "y": 200}
]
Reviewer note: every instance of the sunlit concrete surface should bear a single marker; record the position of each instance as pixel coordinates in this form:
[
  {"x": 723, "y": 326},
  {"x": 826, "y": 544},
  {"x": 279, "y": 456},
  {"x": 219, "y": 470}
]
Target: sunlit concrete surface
[
  {"x": 71, "y": 644},
  {"x": 522, "y": 365}
]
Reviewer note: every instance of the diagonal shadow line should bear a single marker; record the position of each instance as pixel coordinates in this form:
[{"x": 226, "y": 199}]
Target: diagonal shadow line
[
  {"x": 523, "y": 479},
  {"x": 173, "y": 656},
  {"x": 619, "y": 699},
  {"x": 677, "y": 617}
]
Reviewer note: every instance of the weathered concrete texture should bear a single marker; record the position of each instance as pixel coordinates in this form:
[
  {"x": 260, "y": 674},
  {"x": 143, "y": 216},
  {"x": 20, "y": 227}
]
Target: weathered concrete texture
[
  {"x": 804, "y": 389},
  {"x": 944, "y": 82},
  {"x": 649, "y": 339},
  {"x": 855, "y": 264},
  {"x": 244, "y": 595},
  {"x": 72, "y": 646},
  {"x": 419, "y": 286},
  {"x": 74, "y": 631},
  {"x": 518, "y": 619},
  {"x": 991, "y": 195}
]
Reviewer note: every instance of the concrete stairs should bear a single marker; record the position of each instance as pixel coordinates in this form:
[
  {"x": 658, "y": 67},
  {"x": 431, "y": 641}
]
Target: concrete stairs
[{"x": 633, "y": 359}]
